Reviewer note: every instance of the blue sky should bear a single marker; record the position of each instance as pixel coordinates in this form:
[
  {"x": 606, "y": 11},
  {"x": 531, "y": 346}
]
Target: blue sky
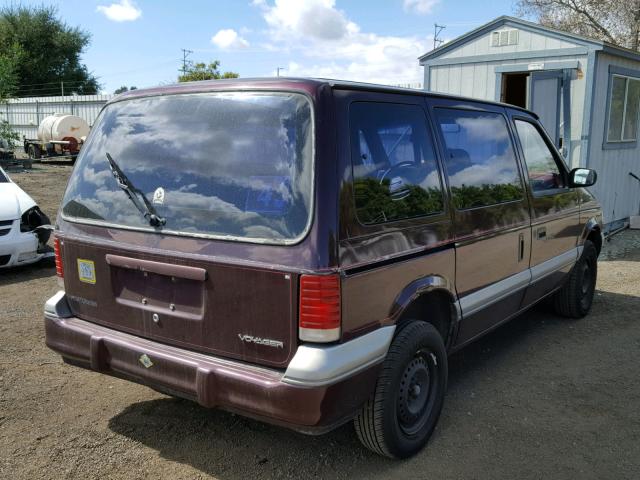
[{"x": 139, "y": 42}]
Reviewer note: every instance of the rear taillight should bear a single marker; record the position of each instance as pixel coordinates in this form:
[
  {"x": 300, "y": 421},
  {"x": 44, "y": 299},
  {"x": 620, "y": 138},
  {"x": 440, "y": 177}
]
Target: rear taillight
[
  {"x": 319, "y": 314},
  {"x": 58, "y": 253}
]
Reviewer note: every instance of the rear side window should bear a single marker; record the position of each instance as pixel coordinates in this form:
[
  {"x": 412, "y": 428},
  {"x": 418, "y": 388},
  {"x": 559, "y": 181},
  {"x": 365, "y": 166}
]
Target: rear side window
[
  {"x": 544, "y": 173},
  {"x": 480, "y": 159},
  {"x": 395, "y": 173}
]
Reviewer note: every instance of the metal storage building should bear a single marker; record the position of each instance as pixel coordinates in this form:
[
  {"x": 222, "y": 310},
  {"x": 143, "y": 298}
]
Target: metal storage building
[
  {"x": 25, "y": 114},
  {"x": 586, "y": 92}
]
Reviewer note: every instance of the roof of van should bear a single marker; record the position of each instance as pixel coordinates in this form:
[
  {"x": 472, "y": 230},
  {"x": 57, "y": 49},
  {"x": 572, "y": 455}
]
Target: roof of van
[{"x": 293, "y": 83}]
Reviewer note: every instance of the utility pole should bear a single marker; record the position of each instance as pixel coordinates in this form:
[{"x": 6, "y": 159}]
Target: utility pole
[
  {"x": 436, "y": 32},
  {"x": 62, "y": 88},
  {"x": 278, "y": 70},
  {"x": 185, "y": 62}
]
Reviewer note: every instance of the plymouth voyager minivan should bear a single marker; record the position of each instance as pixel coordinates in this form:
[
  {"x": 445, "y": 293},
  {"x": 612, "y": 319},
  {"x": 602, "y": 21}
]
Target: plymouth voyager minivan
[{"x": 308, "y": 252}]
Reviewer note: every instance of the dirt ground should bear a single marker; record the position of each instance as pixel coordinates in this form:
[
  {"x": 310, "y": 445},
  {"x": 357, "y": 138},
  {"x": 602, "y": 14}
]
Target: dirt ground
[{"x": 541, "y": 397}]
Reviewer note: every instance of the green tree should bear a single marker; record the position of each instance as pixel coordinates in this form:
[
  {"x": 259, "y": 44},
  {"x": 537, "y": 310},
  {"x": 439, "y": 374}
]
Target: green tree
[
  {"x": 9, "y": 60},
  {"x": 202, "y": 71},
  {"x": 375, "y": 204},
  {"x": 8, "y": 84},
  {"x": 49, "y": 51},
  {"x": 123, "y": 89},
  {"x": 7, "y": 133}
]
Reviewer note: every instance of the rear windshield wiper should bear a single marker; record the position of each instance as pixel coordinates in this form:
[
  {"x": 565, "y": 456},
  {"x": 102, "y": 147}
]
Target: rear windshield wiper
[{"x": 132, "y": 192}]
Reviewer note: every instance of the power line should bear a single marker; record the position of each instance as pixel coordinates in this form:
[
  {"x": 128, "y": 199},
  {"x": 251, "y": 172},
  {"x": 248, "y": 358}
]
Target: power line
[
  {"x": 52, "y": 87},
  {"x": 52, "y": 83}
]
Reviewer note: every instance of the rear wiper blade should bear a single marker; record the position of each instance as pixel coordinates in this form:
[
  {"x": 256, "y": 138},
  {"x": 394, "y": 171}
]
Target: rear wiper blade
[{"x": 134, "y": 194}]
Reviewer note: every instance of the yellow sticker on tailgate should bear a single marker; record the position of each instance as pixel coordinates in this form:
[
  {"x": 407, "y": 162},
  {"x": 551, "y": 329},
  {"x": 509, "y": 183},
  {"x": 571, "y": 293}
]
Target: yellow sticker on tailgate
[{"x": 86, "y": 271}]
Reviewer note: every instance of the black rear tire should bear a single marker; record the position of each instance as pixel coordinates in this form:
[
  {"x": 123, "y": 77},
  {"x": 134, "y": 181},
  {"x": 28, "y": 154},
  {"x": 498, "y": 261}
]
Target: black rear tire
[
  {"x": 575, "y": 298},
  {"x": 34, "y": 151},
  {"x": 403, "y": 411}
]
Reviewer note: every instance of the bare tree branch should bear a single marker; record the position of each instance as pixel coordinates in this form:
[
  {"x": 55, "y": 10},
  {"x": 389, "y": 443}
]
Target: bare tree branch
[{"x": 614, "y": 21}]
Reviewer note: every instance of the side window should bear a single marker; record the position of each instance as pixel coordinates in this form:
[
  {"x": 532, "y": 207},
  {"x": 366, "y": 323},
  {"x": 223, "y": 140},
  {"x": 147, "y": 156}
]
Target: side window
[
  {"x": 395, "y": 173},
  {"x": 480, "y": 159},
  {"x": 544, "y": 173}
]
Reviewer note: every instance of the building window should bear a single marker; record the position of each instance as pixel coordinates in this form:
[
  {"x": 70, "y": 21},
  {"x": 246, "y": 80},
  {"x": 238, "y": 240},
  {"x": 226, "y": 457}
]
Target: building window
[
  {"x": 624, "y": 100},
  {"x": 503, "y": 38}
]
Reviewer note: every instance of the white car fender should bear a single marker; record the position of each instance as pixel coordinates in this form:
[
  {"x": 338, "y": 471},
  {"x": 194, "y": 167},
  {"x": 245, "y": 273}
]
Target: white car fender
[
  {"x": 17, "y": 247},
  {"x": 14, "y": 201}
]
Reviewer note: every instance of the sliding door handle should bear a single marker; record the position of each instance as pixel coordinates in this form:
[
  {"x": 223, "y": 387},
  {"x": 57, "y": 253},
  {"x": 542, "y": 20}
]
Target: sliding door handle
[
  {"x": 541, "y": 233},
  {"x": 521, "y": 247}
]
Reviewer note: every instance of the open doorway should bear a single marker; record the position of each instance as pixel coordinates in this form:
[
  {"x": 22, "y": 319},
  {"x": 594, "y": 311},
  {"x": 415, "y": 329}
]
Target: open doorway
[
  {"x": 515, "y": 89},
  {"x": 540, "y": 91}
]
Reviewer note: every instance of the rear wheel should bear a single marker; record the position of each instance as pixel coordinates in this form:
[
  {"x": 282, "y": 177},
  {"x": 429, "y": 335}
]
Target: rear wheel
[
  {"x": 34, "y": 151},
  {"x": 400, "y": 416},
  {"x": 574, "y": 299}
]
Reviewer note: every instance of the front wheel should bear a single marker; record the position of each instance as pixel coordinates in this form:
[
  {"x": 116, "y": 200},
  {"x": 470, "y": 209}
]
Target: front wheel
[
  {"x": 400, "y": 416},
  {"x": 574, "y": 299}
]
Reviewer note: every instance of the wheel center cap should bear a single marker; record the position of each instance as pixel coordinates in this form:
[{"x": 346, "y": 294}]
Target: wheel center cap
[{"x": 415, "y": 390}]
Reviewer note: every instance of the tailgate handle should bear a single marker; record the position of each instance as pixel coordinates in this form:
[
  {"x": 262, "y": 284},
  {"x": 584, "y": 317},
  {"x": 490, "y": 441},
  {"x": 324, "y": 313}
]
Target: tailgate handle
[{"x": 167, "y": 269}]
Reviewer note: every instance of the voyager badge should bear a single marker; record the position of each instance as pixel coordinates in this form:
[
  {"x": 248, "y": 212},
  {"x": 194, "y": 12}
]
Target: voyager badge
[{"x": 267, "y": 342}]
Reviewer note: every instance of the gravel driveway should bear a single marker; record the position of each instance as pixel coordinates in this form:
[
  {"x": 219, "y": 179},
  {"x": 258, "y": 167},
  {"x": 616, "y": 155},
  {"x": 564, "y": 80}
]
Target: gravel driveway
[{"x": 541, "y": 397}]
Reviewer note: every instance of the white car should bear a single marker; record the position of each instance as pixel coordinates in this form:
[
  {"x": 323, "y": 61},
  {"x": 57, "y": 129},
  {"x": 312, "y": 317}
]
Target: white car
[{"x": 24, "y": 229}]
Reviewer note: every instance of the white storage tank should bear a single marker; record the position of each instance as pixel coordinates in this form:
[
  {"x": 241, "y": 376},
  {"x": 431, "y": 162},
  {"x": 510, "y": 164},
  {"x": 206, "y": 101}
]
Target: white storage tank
[{"x": 61, "y": 126}]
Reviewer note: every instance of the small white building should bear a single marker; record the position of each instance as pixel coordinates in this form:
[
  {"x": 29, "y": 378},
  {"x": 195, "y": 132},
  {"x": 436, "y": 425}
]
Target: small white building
[{"x": 586, "y": 92}]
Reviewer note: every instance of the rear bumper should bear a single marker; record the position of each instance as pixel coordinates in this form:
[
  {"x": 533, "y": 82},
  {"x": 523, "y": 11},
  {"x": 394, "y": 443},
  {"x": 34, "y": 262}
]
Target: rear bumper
[{"x": 266, "y": 394}]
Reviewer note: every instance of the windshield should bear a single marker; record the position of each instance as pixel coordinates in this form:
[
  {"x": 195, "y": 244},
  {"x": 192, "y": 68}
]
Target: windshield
[{"x": 224, "y": 164}]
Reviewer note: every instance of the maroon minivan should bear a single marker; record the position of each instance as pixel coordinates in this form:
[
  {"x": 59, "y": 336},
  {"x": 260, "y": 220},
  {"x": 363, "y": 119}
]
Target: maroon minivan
[{"x": 308, "y": 252}]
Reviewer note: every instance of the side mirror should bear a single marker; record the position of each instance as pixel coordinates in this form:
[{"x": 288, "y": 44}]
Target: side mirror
[{"x": 582, "y": 177}]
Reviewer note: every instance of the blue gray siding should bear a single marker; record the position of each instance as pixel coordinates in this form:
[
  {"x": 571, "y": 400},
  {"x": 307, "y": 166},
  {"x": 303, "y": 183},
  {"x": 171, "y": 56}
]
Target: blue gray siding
[
  {"x": 527, "y": 41},
  {"x": 478, "y": 80},
  {"x": 616, "y": 189}
]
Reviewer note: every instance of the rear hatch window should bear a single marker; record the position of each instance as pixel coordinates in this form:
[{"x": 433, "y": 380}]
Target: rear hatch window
[{"x": 233, "y": 165}]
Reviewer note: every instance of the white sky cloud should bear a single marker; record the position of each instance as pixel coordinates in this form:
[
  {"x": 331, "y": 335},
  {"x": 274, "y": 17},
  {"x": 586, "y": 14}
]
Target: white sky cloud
[
  {"x": 229, "y": 39},
  {"x": 422, "y": 7},
  {"x": 315, "y": 18},
  {"x": 123, "y": 11},
  {"x": 328, "y": 44}
]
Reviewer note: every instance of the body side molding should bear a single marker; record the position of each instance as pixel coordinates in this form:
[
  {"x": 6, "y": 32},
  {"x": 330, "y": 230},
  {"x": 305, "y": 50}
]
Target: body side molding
[
  {"x": 538, "y": 272},
  {"x": 495, "y": 292},
  {"x": 476, "y": 301}
]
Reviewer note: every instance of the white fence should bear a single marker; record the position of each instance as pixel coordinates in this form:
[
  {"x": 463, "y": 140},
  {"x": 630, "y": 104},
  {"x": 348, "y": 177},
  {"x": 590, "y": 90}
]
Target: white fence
[
  {"x": 25, "y": 114},
  {"x": 414, "y": 85}
]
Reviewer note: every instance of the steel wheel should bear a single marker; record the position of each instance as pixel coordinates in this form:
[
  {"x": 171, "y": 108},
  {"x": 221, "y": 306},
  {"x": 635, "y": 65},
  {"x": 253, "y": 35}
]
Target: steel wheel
[
  {"x": 400, "y": 416},
  {"x": 415, "y": 399}
]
